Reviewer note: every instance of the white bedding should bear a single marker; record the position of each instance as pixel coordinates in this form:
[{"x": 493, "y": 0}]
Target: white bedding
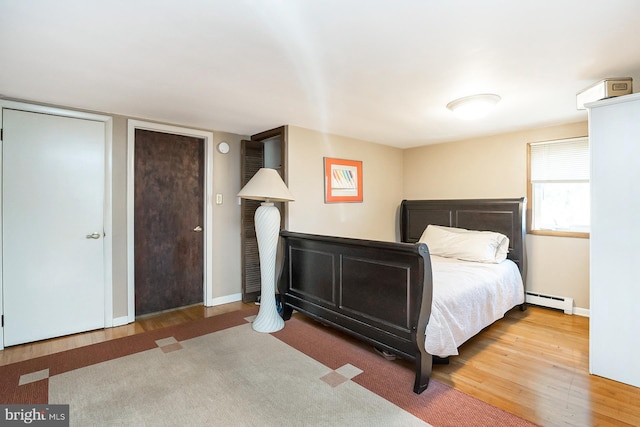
[{"x": 467, "y": 297}]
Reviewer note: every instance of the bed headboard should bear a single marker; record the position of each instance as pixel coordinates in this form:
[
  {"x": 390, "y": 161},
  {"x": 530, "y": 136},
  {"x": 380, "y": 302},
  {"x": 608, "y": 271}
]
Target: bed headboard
[{"x": 506, "y": 216}]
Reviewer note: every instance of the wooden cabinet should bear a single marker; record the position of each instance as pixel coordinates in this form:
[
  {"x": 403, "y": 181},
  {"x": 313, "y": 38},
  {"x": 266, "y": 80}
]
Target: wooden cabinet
[
  {"x": 266, "y": 149},
  {"x": 614, "y": 137}
]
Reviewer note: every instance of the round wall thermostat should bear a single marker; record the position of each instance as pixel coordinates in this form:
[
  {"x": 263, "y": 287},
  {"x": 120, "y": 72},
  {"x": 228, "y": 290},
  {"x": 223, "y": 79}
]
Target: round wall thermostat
[{"x": 223, "y": 147}]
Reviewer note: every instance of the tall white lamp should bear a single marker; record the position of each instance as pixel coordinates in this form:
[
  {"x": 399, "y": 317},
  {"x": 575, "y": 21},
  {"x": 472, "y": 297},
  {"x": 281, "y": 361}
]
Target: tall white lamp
[{"x": 267, "y": 186}]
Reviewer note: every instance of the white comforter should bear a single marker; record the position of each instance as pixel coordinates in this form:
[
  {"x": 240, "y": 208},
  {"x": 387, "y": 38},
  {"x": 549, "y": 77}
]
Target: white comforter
[{"x": 467, "y": 297}]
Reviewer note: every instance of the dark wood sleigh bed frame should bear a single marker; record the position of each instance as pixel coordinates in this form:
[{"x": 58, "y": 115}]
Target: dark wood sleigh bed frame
[{"x": 381, "y": 292}]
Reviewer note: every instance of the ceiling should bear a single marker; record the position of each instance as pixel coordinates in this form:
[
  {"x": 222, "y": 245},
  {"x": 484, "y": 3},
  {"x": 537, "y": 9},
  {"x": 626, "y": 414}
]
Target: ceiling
[{"x": 376, "y": 70}]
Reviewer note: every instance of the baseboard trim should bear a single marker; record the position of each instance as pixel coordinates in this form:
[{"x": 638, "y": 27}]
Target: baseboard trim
[
  {"x": 224, "y": 300},
  {"x": 119, "y": 321},
  {"x": 581, "y": 311}
]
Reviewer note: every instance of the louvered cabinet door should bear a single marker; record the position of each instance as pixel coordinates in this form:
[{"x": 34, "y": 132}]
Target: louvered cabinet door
[
  {"x": 266, "y": 149},
  {"x": 252, "y": 160}
]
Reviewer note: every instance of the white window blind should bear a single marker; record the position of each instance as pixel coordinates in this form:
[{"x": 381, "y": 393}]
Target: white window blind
[
  {"x": 559, "y": 186},
  {"x": 560, "y": 161}
]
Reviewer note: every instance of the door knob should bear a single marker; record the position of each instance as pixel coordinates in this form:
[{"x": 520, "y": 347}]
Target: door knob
[
  {"x": 198, "y": 229},
  {"x": 93, "y": 236}
]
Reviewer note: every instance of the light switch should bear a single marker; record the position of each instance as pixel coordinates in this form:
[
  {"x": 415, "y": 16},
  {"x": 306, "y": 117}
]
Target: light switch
[{"x": 218, "y": 198}]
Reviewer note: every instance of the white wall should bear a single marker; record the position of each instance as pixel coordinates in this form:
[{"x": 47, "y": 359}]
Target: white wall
[
  {"x": 615, "y": 326},
  {"x": 482, "y": 167},
  {"x": 493, "y": 167},
  {"x": 375, "y": 218}
]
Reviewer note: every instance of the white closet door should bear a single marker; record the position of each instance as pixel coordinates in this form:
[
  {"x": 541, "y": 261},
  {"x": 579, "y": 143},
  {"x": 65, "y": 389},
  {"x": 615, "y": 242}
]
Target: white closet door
[{"x": 52, "y": 222}]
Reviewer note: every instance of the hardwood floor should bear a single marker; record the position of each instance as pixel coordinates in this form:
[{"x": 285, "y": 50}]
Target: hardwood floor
[
  {"x": 534, "y": 364},
  {"x": 142, "y": 324}
]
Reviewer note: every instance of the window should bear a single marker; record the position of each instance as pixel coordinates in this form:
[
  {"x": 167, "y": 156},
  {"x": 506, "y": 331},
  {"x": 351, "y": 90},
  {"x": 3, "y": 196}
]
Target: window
[{"x": 559, "y": 187}]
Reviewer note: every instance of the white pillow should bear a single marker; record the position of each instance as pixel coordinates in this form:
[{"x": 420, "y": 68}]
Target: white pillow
[{"x": 467, "y": 245}]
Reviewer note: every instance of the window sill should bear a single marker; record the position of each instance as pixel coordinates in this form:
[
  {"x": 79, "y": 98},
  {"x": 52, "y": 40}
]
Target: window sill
[{"x": 577, "y": 234}]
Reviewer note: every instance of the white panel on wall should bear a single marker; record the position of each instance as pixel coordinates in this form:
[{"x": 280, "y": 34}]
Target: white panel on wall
[{"x": 615, "y": 202}]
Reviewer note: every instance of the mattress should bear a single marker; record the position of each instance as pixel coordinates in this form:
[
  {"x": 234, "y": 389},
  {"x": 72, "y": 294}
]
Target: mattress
[{"x": 467, "y": 297}]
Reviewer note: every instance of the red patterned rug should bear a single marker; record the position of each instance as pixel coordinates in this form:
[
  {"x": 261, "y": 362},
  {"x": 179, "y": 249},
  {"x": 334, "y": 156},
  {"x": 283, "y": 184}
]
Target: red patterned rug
[
  {"x": 440, "y": 405},
  {"x": 16, "y": 389}
]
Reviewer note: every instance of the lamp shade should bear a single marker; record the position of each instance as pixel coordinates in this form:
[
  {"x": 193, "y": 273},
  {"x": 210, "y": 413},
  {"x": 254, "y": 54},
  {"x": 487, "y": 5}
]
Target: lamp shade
[{"x": 266, "y": 185}]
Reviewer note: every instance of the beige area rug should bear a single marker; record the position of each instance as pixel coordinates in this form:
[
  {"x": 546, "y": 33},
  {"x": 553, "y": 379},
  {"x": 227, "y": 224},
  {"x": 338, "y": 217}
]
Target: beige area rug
[
  {"x": 217, "y": 371},
  {"x": 233, "y": 377}
]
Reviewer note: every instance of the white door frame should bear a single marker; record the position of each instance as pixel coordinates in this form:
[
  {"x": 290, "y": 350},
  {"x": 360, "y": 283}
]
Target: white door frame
[
  {"x": 108, "y": 203},
  {"x": 208, "y": 209}
]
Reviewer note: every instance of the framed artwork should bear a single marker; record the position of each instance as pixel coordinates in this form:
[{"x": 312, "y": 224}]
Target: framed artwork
[{"x": 342, "y": 180}]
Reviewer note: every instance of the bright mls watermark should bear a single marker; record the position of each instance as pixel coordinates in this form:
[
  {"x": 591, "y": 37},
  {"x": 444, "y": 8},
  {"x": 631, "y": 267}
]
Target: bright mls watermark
[{"x": 35, "y": 415}]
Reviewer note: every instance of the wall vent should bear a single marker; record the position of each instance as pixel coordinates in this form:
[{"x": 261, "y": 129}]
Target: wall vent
[{"x": 560, "y": 303}]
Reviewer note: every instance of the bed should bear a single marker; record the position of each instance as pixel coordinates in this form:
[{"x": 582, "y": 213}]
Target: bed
[{"x": 383, "y": 292}]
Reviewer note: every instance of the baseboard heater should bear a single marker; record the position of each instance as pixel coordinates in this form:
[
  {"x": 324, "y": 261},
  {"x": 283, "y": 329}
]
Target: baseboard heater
[{"x": 560, "y": 303}]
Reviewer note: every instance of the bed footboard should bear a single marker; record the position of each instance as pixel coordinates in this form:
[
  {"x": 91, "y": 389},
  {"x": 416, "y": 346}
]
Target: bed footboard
[{"x": 379, "y": 292}]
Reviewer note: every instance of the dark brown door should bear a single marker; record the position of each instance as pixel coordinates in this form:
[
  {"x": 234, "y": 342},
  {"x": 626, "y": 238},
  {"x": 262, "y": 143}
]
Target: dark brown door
[{"x": 168, "y": 218}]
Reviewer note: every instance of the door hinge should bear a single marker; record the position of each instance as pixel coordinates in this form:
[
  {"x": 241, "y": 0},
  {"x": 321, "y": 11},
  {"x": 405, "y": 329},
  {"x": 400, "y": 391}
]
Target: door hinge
[
  {"x": 1, "y": 134},
  {"x": 3, "y": 320}
]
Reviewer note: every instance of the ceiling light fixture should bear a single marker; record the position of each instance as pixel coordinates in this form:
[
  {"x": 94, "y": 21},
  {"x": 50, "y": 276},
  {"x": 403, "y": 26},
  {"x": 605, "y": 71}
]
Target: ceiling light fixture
[{"x": 474, "y": 106}]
